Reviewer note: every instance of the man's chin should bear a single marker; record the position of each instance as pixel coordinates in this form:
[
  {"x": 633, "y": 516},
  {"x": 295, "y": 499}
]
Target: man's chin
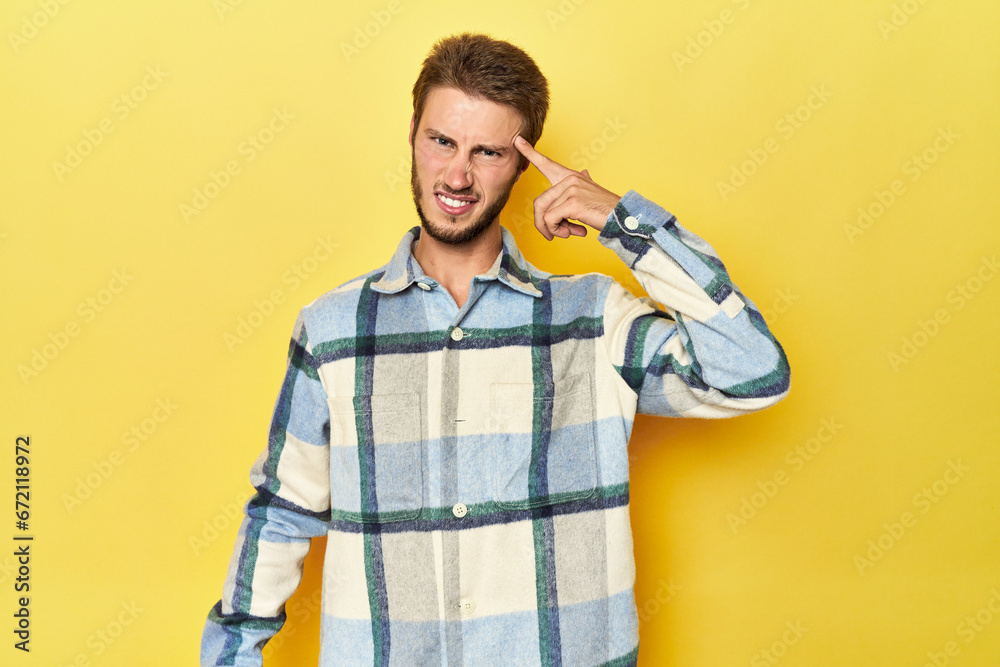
[{"x": 454, "y": 230}]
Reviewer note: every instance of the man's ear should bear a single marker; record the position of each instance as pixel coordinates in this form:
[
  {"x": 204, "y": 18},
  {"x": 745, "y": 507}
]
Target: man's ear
[
  {"x": 412, "y": 116},
  {"x": 522, "y": 167}
]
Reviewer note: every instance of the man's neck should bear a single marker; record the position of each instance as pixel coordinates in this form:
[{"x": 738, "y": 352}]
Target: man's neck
[{"x": 454, "y": 266}]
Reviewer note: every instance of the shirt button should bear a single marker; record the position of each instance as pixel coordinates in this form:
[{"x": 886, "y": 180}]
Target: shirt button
[
  {"x": 456, "y": 334},
  {"x": 424, "y": 286},
  {"x": 631, "y": 223},
  {"x": 467, "y": 606},
  {"x": 459, "y": 510}
]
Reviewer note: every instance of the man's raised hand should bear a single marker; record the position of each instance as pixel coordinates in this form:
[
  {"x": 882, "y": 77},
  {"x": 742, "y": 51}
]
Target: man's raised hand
[{"x": 573, "y": 196}]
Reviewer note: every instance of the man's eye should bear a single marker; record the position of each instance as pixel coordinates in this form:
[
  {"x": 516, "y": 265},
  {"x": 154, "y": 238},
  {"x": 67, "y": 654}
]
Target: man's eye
[
  {"x": 489, "y": 153},
  {"x": 440, "y": 141}
]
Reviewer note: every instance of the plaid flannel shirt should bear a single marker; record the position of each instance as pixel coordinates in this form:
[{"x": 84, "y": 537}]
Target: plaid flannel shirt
[{"x": 469, "y": 465}]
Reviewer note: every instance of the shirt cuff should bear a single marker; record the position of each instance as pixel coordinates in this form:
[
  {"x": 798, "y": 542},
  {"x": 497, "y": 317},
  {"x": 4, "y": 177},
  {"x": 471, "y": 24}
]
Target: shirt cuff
[
  {"x": 635, "y": 216},
  {"x": 631, "y": 224},
  {"x": 637, "y": 225}
]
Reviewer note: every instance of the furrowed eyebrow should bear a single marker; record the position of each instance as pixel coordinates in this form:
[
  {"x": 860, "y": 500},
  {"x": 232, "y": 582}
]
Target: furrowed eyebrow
[
  {"x": 437, "y": 134},
  {"x": 496, "y": 148},
  {"x": 500, "y": 149}
]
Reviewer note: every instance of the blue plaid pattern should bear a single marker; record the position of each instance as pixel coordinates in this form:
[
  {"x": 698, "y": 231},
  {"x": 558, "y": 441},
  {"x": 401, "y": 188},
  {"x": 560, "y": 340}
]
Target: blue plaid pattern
[{"x": 469, "y": 465}]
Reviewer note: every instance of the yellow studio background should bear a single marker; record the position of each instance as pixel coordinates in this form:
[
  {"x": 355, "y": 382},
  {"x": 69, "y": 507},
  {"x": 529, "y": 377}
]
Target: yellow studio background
[{"x": 179, "y": 178}]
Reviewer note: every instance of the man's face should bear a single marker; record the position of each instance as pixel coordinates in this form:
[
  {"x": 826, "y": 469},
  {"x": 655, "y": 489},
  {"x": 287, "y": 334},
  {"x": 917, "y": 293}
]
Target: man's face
[{"x": 464, "y": 163}]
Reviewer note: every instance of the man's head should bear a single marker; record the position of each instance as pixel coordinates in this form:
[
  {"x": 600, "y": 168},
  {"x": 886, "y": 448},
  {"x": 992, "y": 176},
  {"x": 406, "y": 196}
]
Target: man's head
[
  {"x": 486, "y": 68},
  {"x": 474, "y": 94}
]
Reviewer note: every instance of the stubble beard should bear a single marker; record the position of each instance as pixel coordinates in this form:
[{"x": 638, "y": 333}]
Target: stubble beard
[{"x": 452, "y": 235}]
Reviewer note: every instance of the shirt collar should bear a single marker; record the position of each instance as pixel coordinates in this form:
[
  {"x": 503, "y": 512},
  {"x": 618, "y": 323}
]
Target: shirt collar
[{"x": 510, "y": 267}]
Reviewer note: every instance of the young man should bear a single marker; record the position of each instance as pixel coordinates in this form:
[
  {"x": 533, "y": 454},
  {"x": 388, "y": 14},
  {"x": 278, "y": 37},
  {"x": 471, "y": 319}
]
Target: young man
[{"x": 456, "y": 422}]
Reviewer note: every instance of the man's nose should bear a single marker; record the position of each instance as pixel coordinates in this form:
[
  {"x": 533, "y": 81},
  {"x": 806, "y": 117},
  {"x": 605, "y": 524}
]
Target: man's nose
[{"x": 459, "y": 172}]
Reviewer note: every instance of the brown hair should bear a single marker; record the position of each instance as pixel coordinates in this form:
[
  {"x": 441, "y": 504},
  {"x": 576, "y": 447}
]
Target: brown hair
[{"x": 486, "y": 68}]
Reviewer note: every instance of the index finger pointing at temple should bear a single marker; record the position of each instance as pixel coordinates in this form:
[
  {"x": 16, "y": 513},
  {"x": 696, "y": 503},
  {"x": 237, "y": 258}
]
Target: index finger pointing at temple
[{"x": 550, "y": 169}]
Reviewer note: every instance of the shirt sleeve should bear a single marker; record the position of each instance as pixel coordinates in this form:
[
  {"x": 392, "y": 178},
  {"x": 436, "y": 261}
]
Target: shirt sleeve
[
  {"x": 706, "y": 350},
  {"x": 291, "y": 505}
]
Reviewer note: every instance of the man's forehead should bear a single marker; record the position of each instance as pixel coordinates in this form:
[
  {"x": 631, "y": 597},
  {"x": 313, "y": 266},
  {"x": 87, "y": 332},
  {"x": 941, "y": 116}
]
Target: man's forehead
[{"x": 449, "y": 109}]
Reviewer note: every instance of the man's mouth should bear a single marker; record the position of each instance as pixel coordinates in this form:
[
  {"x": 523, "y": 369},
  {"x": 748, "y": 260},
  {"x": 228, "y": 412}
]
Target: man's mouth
[{"x": 454, "y": 205}]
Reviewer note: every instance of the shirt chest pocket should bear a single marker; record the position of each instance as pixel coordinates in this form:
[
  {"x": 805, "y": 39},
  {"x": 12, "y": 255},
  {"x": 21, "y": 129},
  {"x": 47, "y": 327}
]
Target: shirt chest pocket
[
  {"x": 543, "y": 442},
  {"x": 375, "y": 458}
]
